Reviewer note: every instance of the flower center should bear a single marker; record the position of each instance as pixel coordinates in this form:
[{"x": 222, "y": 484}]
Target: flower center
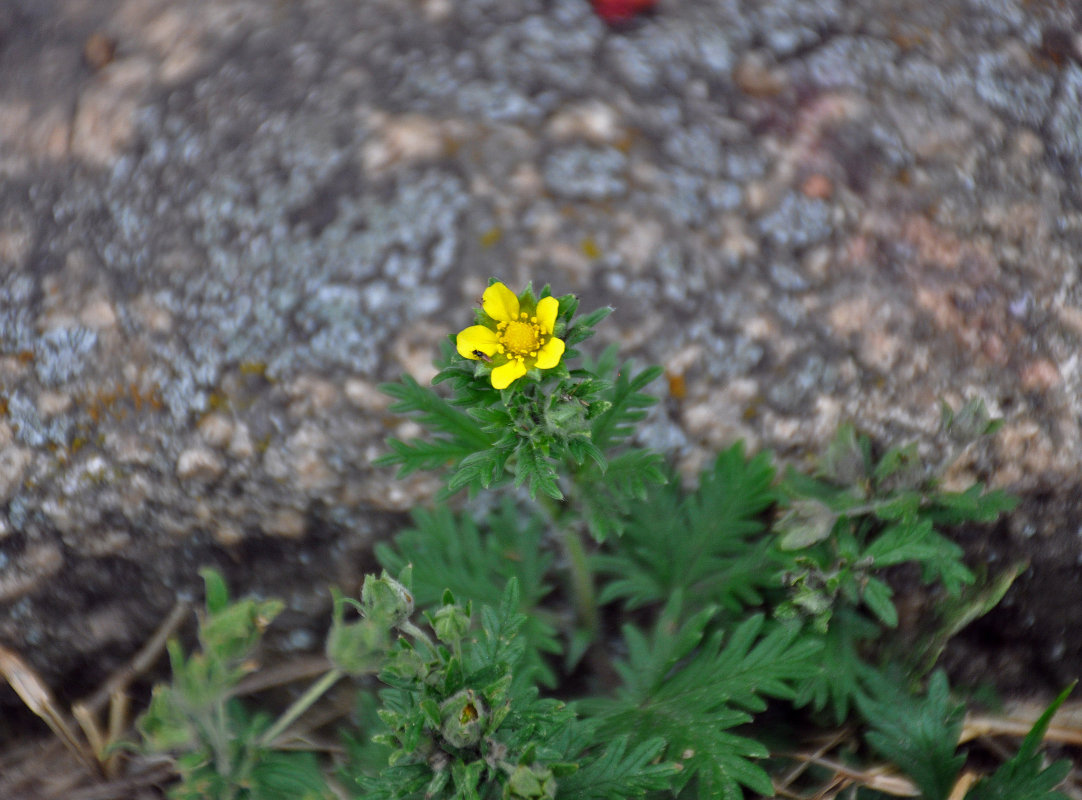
[{"x": 521, "y": 337}]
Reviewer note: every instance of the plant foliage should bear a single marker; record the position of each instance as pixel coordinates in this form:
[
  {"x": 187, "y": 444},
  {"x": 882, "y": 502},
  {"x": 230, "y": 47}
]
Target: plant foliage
[{"x": 604, "y": 632}]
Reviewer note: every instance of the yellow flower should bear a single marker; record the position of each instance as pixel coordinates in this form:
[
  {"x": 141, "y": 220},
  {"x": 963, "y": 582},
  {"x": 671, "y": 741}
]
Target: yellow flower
[{"x": 518, "y": 339}]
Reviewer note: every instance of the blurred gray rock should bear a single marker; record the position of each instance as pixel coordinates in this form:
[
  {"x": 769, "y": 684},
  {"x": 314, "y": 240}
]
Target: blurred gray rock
[{"x": 218, "y": 238}]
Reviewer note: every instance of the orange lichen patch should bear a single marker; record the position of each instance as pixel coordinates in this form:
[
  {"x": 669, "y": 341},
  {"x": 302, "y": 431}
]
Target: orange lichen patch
[
  {"x": 257, "y": 368},
  {"x": 218, "y": 401},
  {"x": 678, "y": 388},
  {"x": 25, "y": 356},
  {"x": 590, "y": 248},
  {"x": 908, "y": 40},
  {"x": 624, "y": 143},
  {"x": 752, "y": 411},
  {"x": 491, "y": 236},
  {"x": 118, "y": 401}
]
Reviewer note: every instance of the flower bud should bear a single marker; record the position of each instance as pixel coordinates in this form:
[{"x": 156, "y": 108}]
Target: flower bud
[
  {"x": 386, "y": 598},
  {"x": 451, "y": 624},
  {"x": 530, "y": 783},
  {"x": 464, "y": 718},
  {"x": 356, "y": 647}
]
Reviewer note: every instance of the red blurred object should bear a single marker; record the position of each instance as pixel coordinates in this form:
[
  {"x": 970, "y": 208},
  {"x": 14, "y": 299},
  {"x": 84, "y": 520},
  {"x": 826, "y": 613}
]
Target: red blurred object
[{"x": 615, "y": 12}]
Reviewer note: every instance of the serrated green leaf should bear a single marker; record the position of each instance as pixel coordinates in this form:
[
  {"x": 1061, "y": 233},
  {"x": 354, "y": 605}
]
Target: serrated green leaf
[
  {"x": 919, "y": 735},
  {"x": 711, "y": 542},
  {"x": 534, "y": 469},
  {"x": 690, "y": 691},
  {"x": 617, "y": 773},
  {"x": 835, "y": 677},
  {"x": 1025, "y": 775},
  {"x": 876, "y": 596},
  {"x": 287, "y": 776},
  {"x": 903, "y": 505}
]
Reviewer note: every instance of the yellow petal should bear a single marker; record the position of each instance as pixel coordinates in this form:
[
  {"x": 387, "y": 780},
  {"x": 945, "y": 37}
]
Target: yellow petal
[
  {"x": 500, "y": 303},
  {"x": 476, "y": 337},
  {"x": 549, "y": 355},
  {"x": 503, "y": 376},
  {"x": 546, "y": 313}
]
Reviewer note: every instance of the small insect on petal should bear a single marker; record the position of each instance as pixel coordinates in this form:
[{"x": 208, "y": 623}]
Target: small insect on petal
[{"x": 481, "y": 355}]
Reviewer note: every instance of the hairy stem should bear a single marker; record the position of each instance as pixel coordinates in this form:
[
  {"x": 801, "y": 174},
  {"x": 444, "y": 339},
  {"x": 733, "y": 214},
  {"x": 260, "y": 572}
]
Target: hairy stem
[
  {"x": 300, "y": 705},
  {"x": 581, "y": 579}
]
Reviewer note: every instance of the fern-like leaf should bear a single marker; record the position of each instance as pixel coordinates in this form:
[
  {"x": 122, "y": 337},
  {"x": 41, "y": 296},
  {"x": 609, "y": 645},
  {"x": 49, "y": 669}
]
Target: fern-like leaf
[
  {"x": 461, "y": 435},
  {"x": 628, "y": 401},
  {"x": 690, "y": 689},
  {"x": 618, "y": 773},
  {"x": 835, "y": 678},
  {"x": 1025, "y": 775},
  {"x": 434, "y": 411},
  {"x": 611, "y": 492},
  {"x": 919, "y": 735},
  {"x": 710, "y": 543},
  {"x": 534, "y": 469}
]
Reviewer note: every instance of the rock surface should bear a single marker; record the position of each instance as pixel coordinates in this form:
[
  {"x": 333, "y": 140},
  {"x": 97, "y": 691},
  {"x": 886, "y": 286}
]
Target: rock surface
[{"x": 221, "y": 225}]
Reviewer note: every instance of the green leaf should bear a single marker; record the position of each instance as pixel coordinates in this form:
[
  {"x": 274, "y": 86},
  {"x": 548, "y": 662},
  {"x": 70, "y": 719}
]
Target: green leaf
[
  {"x": 434, "y": 411},
  {"x": 919, "y": 735},
  {"x": 876, "y": 596},
  {"x": 217, "y": 595},
  {"x": 287, "y": 776},
  {"x": 583, "y": 327},
  {"x": 1024, "y": 775},
  {"x": 915, "y": 540},
  {"x": 807, "y": 522},
  {"x": 628, "y": 404},
  {"x": 902, "y": 505},
  {"x": 689, "y": 689},
  {"x": 617, "y": 773},
  {"x": 972, "y": 505},
  {"x": 453, "y": 552},
  {"x": 459, "y": 435},
  {"x": 835, "y": 677},
  {"x": 607, "y": 496},
  {"x": 480, "y": 469},
  {"x": 534, "y": 469},
  {"x": 711, "y": 543}
]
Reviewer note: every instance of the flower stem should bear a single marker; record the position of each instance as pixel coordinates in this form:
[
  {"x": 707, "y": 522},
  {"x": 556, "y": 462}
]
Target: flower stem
[
  {"x": 582, "y": 579},
  {"x": 300, "y": 705}
]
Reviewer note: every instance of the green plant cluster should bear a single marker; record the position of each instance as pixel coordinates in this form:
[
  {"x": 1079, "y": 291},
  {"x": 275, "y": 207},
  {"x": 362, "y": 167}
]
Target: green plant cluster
[{"x": 608, "y": 632}]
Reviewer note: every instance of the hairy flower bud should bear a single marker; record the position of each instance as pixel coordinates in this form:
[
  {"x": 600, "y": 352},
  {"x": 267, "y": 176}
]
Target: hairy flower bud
[
  {"x": 464, "y": 716},
  {"x": 451, "y": 624},
  {"x": 530, "y": 783},
  {"x": 386, "y": 598}
]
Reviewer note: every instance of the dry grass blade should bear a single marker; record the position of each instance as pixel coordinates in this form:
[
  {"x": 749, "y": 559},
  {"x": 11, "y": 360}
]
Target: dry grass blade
[
  {"x": 299, "y": 669},
  {"x": 783, "y": 783},
  {"x": 39, "y": 699},
  {"x": 1019, "y": 722},
  {"x": 875, "y": 778},
  {"x": 964, "y": 784}
]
